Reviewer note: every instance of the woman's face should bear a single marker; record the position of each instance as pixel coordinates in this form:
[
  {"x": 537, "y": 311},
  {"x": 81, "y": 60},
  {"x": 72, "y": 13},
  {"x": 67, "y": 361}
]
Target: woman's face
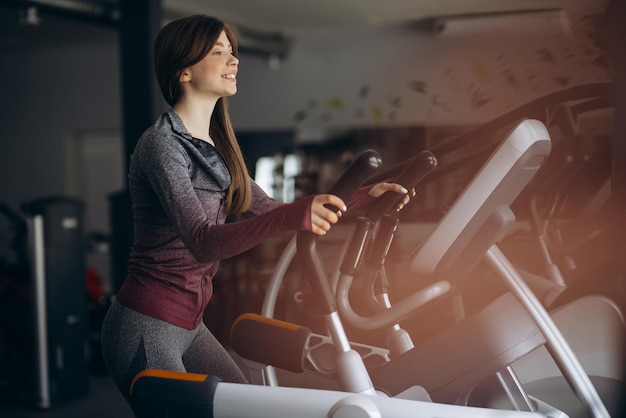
[{"x": 215, "y": 75}]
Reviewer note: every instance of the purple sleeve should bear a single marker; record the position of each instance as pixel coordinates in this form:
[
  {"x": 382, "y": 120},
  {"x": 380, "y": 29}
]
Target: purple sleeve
[{"x": 239, "y": 236}]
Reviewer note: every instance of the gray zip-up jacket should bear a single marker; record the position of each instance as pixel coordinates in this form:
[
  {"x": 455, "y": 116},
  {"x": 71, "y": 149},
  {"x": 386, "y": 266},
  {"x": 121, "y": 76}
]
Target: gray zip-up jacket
[{"x": 177, "y": 185}]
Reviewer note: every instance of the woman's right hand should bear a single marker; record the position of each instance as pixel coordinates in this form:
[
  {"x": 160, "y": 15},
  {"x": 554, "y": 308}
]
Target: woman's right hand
[{"x": 322, "y": 218}]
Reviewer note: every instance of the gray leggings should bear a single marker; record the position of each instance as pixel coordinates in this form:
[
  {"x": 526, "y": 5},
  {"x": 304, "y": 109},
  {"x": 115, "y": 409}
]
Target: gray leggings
[{"x": 132, "y": 342}]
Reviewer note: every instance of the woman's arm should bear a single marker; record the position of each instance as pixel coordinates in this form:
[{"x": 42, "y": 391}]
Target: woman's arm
[{"x": 165, "y": 166}]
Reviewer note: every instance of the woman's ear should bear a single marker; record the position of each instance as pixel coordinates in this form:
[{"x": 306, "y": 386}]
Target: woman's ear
[{"x": 185, "y": 76}]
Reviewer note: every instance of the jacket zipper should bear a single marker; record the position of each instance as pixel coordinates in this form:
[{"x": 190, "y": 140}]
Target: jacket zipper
[{"x": 201, "y": 311}]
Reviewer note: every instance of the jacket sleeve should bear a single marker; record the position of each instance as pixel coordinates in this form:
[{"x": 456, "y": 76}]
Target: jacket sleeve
[{"x": 236, "y": 237}]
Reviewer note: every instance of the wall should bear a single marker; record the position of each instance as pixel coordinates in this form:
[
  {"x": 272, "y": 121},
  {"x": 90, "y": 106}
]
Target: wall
[
  {"x": 411, "y": 76},
  {"x": 47, "y": 95}
]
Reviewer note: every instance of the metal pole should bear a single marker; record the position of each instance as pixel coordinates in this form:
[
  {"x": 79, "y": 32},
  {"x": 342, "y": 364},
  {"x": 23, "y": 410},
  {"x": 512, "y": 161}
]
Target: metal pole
[
  {"x": 556, "y": 344},
  {"x": 41, "y": 320}
]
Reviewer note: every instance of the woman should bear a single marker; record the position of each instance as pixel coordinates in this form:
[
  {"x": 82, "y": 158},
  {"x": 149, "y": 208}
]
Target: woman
[{"x": 186, "y": 176}]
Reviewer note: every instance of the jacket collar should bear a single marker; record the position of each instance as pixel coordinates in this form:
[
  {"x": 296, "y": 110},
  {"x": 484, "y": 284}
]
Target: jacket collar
[{"x": 177, "y": 124}]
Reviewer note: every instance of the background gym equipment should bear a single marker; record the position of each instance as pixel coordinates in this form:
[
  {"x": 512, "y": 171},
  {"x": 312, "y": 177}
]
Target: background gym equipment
[{"x": 57, "y": 259}]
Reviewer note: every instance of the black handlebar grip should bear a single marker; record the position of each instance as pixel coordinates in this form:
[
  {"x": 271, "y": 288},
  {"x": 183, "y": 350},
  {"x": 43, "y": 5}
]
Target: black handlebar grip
[
  {"x": 422, "y": 165},
  {"x": 363, "y": 167}
]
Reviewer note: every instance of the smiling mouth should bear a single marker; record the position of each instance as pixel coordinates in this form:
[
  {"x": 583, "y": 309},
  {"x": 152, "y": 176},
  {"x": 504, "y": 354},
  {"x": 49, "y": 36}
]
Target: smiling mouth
[{"x": 229, "y": 76}]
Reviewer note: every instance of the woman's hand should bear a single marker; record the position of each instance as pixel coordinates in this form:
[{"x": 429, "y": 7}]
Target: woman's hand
[
  {"x": 381, "y": 188},
  {"x": 323, "y": 218}
]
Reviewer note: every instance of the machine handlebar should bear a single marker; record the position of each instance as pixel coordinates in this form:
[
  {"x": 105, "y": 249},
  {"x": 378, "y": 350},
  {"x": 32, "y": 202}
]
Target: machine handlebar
[
  {"x": 363, "y": 167},
  {"x": 422, "y": 164}
]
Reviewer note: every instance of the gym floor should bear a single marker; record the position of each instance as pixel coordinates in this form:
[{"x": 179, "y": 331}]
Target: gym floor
[{"x": 105, "y": 401}]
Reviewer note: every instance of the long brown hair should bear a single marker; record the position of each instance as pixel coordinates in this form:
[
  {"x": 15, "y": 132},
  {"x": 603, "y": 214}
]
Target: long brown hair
[{"x": 180, "y": 44}]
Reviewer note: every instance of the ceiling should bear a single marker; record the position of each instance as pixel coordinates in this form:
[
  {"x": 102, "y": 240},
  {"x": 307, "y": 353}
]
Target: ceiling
[
  {"x": 296, "y": 15},
  {"x": 35, "y": 22}
]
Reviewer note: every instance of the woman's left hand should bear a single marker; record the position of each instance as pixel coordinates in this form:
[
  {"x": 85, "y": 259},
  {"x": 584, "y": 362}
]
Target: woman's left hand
[{"x": 381, "y": 188}]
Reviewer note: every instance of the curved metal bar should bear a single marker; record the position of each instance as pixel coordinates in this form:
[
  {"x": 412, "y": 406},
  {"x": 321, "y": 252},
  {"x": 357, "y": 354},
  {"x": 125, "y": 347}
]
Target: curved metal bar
[{"x": 388, "y": 317}]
